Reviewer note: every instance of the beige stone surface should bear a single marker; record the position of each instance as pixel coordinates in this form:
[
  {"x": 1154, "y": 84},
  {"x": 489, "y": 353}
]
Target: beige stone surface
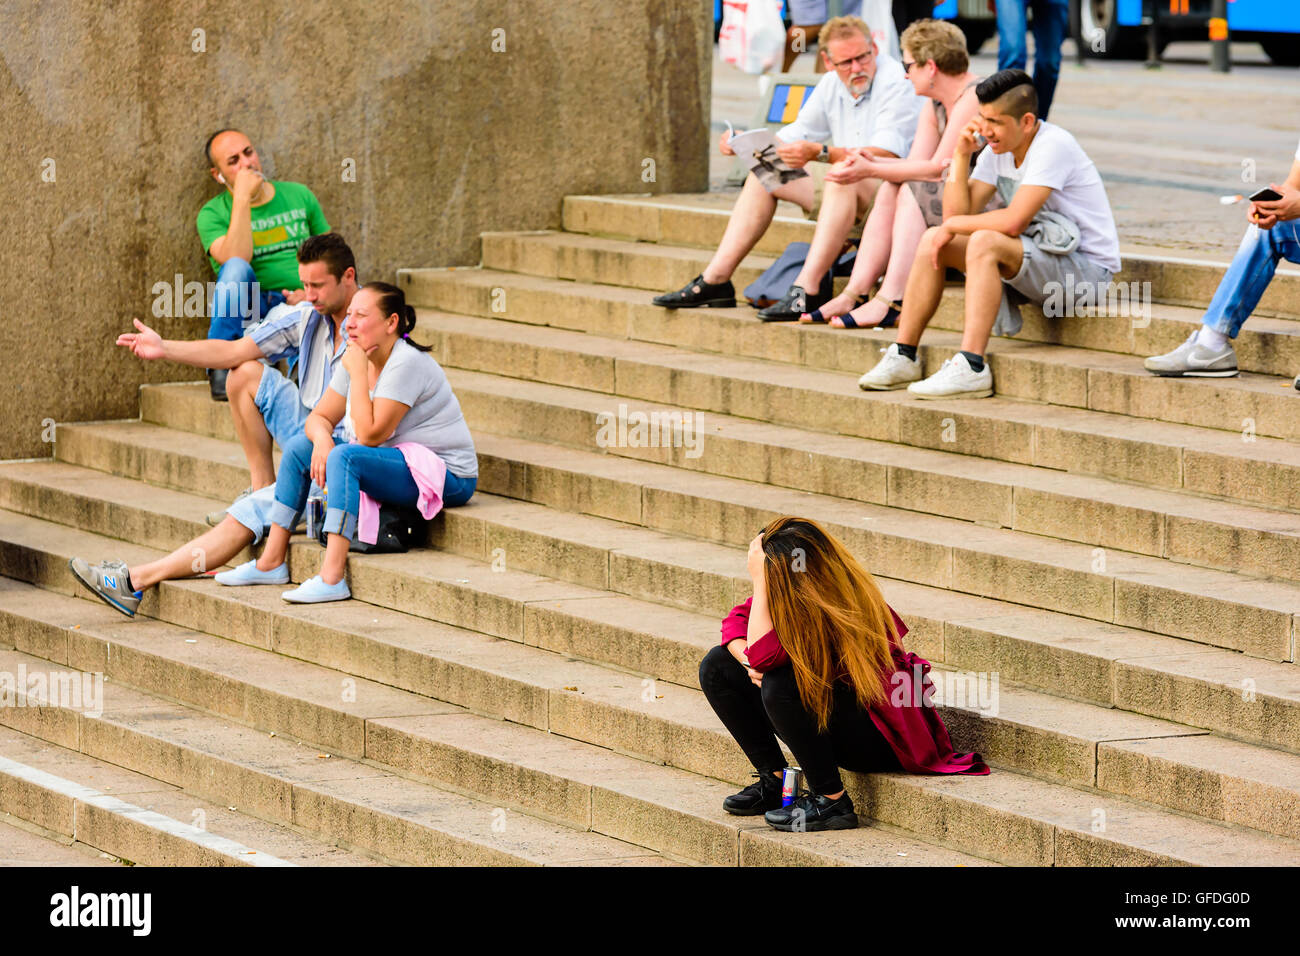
[{"x": 437, "y": 125}]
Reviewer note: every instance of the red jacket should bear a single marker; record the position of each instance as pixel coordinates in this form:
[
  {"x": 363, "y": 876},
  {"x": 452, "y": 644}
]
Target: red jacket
[{"x": 909, "y": 723}]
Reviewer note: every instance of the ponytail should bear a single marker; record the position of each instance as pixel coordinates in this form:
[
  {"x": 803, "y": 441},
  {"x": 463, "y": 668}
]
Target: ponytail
[{"x": 392, "y": 301}]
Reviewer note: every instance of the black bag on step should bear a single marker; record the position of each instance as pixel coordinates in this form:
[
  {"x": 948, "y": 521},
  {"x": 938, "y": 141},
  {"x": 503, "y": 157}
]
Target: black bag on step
[
  {"x": 400, "y": 529},
  {"x": 780, "y": 275}
]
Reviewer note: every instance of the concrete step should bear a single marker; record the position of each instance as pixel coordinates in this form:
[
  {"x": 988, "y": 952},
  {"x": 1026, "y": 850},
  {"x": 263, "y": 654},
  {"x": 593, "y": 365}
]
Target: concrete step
[
  {"x": 1185, "y": 528},
  {"x": 1253, "y": 615},
  {"x": 22, "y": 844},
  {"x": 263, "y": 769},
  {"x": 135, "y": 817},
  {"x": 1052, "y": 374},
  {"x": 700, "y": 221},
  {"x": 1064, "y": 655},
  {"x": 1038, "y": 732},
  {"x": 526, "y": 773},
  {"x": 1266, "y": 345},
  {"x": 1012, "y": 818},
  {"x": 1260, "y": 471}
]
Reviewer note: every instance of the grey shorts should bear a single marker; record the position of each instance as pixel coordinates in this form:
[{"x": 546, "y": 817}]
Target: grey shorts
[{"x": 1045, "y": 276}]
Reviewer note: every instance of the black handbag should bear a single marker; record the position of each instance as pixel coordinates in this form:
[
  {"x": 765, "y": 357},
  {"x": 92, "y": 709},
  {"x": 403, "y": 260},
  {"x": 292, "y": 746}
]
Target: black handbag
[{"x": 400, "y": 528}]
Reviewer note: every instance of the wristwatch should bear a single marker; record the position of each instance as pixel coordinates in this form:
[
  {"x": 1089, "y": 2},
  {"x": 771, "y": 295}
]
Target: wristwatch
[{"x": 825, "y": 155}]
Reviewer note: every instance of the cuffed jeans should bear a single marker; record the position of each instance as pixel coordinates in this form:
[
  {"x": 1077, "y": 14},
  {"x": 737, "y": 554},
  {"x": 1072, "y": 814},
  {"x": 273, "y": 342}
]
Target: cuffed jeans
[
  {"x": 1250, "y": 273},
  {"x": 1051, "y": 23},
  {"x": 351, "y": 469},
  {"x": 755, "y": 717},
  {"x": 238, "y": 301}
]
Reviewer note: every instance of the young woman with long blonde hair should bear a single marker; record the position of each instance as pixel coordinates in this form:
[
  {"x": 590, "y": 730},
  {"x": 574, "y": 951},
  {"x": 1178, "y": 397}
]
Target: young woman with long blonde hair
[{"x": 815, "y": 657}]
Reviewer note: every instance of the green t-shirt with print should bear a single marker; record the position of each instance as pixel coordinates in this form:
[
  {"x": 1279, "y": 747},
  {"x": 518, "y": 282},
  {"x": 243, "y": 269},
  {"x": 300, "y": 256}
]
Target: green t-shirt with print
[{"x": 279, "y": 228}]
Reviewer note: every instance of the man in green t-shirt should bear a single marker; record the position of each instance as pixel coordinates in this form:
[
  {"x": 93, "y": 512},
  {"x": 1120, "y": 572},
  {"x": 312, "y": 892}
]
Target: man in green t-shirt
[{"x": 251, "y": 233}]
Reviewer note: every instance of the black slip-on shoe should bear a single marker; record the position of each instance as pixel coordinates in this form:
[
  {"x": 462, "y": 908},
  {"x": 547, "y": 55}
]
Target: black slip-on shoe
[
  {"x": 812, "y": 813},
  {"x": 760, "y": 796},
  {"x": 217, "y": 383},
  {"x": 792, "y": 305},
  {"x": 698, "y": 294}
]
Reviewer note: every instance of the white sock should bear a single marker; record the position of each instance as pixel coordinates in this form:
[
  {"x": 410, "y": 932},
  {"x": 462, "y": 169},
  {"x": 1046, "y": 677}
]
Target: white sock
[{"x": 1211, "y": 339}]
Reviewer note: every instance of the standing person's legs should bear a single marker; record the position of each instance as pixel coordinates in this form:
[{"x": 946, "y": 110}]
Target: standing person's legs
[
  {"x": 1051, "y": 23},
  {"x": 1013, "y": 51}
]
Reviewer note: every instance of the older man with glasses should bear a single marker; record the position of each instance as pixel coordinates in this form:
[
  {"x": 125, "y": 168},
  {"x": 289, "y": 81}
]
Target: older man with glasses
[{"x": 864, "y": 102}]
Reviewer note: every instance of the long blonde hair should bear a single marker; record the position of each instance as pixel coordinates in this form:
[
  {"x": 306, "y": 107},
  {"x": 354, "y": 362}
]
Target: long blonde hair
[{"x": 828, "y": 613}]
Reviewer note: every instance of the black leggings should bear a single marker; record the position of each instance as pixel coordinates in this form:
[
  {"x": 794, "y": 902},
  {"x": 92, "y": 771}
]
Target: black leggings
[{"x": 756, "y": 717}]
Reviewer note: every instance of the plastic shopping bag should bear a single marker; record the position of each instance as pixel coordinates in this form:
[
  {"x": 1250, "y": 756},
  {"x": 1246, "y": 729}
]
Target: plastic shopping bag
[
  {"x": 752, "y": 37},
  {"x": 879, "y": 15}
]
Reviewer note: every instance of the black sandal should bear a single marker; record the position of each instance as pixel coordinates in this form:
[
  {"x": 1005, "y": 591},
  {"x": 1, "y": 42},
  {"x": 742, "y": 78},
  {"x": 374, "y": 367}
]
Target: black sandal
[
  {"x": 888, "y": 322},
  {"x": 816, "y": 314}
]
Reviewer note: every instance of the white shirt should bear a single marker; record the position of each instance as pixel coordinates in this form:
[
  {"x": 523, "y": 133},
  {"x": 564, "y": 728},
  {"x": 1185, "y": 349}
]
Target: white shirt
[
  {"x": 1056, "y": 160},
  {"x": 885, "y": 116}
]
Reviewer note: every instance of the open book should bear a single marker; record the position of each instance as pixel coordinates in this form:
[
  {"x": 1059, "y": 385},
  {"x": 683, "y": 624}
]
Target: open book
[{"x": 757, "y": 149}]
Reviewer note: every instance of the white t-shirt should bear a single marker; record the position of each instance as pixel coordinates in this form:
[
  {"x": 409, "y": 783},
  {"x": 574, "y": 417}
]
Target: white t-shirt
[
  {"x": 1056, "y": 160},
  {"x": 434, "y": 418}
]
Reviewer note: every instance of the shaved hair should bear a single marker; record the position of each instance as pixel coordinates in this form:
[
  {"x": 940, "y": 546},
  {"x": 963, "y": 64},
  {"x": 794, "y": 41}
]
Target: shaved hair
[
  {"x": 1012, "y": 91},
  {"x": 207, "y": 147}
]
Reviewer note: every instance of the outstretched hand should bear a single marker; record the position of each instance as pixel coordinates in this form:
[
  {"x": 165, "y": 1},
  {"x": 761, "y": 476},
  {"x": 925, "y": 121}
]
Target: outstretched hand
[{"x": 146, "y": 343}]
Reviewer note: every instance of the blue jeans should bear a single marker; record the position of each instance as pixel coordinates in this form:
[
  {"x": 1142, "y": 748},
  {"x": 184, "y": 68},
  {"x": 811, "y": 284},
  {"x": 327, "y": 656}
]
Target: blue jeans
[
  {"x": 351, "y": 469},
  {"x": 1250, "y": 273},
  {"x": 238, "y": 301},
  {"x": 1051, "y": 23}
]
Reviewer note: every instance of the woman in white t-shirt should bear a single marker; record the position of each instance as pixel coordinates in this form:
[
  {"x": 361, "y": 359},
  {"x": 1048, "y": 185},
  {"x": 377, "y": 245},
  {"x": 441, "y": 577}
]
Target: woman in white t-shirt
[{"x": 398, "y": 403}]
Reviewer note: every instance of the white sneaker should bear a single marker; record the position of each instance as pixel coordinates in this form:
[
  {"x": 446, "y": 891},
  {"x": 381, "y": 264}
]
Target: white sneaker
[
  {"x": 1194, "y": 360},
  {"x": 893, "y": 371},
  {"x": 955, "y": 379}
]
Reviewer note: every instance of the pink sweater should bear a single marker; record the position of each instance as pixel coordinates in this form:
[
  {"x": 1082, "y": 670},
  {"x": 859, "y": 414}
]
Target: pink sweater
[{"x": 430, "y": 474}]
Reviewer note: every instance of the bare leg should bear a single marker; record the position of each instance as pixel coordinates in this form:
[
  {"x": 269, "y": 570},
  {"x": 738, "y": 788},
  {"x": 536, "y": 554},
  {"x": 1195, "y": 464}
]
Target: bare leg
[
  {"x": 990, "y": 257},
  {"x": 336, "y": 559},
  {"x": 749, "y": 220},
  {"x": 241, "y": 387},
  {"x": 909, "y": 226},
  {"x": 209, "y": 550},
  {"x": 925, "y": 285},
  {"x": 841, "y": 206},
  {"x": 276, "y": 550}
]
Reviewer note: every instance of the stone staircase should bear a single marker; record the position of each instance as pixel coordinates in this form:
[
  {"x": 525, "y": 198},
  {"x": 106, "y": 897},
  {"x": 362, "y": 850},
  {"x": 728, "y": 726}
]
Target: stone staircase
[{"x": 1111, "y": 545}]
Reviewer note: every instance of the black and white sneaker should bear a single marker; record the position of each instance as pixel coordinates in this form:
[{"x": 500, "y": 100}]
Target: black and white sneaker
[
  {"x": 698, "y": 294},
  {"x": 812, "y": 813},
  {"x": 792, "y": 305}
]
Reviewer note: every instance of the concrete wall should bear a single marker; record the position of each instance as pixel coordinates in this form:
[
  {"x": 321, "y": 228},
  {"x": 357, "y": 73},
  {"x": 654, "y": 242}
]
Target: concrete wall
[{"x": 107, "y": 106}]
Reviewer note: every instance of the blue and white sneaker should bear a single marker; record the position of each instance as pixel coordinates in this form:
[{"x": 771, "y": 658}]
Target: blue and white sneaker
[
  {"x": 316, "y": 591},
  {"x": 247, "y": 573},
  {"x": 108, "y": 580}
]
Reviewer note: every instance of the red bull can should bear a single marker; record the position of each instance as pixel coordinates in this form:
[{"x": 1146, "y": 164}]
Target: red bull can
[
  {"x": 315, "y": 515},
  {"x": 791, "y": 777}
]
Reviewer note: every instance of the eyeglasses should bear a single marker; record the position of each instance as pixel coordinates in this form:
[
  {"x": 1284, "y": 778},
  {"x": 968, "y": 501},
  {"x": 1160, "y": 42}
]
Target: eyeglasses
[
  {"x": 907, "y": 66},
  {"x": 863, "y": 58}
]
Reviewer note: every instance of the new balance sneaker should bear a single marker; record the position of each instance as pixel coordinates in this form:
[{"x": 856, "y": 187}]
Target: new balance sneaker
[
  {"x": 791, "y": 305},
  {"x": 955, "y": 379},
  {"x": 760, "y": 796},
  {"x": 812, "y": 813},
  {"x": 247, "y": 573},
  {"x": 1194, "y": 360},
  {"x": 110, "y": 581},
  {"x": 895, "y": 370},
  {"x": 698, "y": 294},
  {"x": 316, "y": 591},
  {"x": 214, "y": 518}
]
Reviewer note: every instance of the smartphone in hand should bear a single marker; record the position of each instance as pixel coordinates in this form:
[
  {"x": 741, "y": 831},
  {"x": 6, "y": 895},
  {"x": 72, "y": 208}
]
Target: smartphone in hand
[{"x": 1266, "y": 195}]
